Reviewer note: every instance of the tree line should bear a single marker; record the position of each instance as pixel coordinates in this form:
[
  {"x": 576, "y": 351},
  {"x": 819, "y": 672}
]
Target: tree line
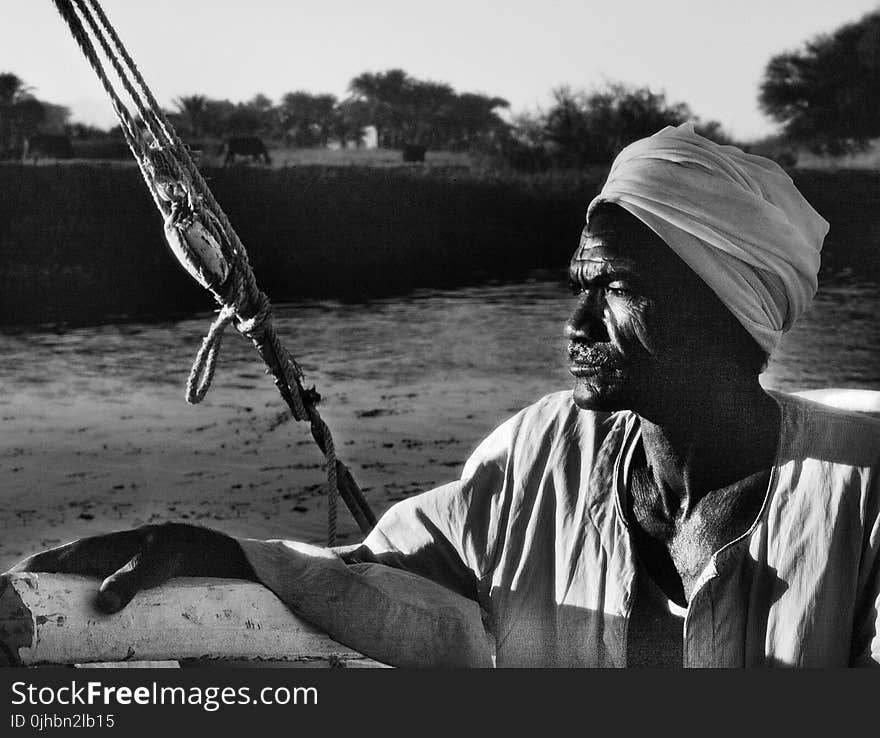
[
  {"x": 578, "y": 129},
  {"x": 404, "y": 110},
  {"x": 22, "y": 114},
  {"x": 823, "y": 95}
]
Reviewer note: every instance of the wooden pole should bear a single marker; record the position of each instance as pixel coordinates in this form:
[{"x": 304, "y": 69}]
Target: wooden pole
[{"x": 51, "y": 619}]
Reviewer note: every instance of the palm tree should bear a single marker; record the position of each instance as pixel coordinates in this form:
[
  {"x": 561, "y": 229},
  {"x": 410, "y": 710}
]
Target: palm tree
[
  {"x": 192, "y": 110},
  {"x": 12, "y": 89},
  {"x": 307, "y": 119},
  {"x": 471, "y": 116},
  {"x": 386, "y": 95},
  {"x": 20, "y": 113}
]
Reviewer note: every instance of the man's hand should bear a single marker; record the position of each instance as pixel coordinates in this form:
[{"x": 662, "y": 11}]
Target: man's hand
[{"x": 142, "y": 558}]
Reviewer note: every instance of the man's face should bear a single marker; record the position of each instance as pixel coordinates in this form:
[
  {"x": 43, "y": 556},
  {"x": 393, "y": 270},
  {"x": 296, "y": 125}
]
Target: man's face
[{"x": 638, "y": 335}]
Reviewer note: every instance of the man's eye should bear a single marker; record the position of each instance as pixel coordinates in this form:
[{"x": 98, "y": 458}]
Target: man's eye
[{"x": 617, "y": 288}]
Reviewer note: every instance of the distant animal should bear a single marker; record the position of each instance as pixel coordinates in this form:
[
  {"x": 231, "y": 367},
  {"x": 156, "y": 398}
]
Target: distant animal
[
  {"x": 249, "y": 146},
  {"x": 411, "y": 152},
  {"x": 47, "y": 145}
]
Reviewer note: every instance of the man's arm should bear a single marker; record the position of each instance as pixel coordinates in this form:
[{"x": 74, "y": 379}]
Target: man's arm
[
  {"x": 132, "y": 560},
  {"x": 407, "y": 596},
  {"x": 389, "y": 614},
  {"x": 394, "y": 616},
  {"x": 412, "y": 592}
]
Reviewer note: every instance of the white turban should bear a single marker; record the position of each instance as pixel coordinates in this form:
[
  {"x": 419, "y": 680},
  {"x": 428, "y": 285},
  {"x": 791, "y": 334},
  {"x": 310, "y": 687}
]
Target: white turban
[{"x": 734, "y": 218}]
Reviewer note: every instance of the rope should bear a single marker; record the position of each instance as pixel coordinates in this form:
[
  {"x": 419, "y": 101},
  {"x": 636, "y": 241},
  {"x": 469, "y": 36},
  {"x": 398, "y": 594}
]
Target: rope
[
  {"x": 153, "y": 107},
  {"x": 184, "y": 198},
  {"x": 330, "y": 455},
  {"x": 147, "y": 114},
  {"x": 202, "y": 371},
  {"x": 129, "y": 128}
]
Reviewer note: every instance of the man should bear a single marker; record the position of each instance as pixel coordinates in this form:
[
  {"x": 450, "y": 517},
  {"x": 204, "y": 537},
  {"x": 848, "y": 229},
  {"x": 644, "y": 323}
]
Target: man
[{"x": 667, "y": 512}]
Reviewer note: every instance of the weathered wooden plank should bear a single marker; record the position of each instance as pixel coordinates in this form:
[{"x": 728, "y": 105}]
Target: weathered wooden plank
[
  {"x": 857, "y": 400},
  {"x": 52, "y": 619}
]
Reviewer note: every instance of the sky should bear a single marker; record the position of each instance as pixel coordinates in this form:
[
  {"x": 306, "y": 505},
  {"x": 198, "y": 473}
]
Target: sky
[{"x": 710, "y": 54}]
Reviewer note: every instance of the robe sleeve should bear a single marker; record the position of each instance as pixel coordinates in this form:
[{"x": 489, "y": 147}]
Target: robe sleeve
[{"x": 413, "y": 593}]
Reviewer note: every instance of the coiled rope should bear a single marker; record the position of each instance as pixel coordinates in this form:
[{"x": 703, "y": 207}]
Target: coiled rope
[{"x": 204, "y": 241}]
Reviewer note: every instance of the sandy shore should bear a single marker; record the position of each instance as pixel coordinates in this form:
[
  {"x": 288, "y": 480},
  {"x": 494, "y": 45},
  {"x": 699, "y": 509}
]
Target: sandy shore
[{"x": 238, "y": 464}]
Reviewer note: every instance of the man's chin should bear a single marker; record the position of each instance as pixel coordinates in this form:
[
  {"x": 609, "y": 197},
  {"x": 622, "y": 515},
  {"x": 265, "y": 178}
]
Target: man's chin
[{"x": 596, "y": 397}]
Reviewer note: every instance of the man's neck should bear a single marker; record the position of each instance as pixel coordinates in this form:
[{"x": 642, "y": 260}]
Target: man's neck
[{"x": 705, "y": 443}]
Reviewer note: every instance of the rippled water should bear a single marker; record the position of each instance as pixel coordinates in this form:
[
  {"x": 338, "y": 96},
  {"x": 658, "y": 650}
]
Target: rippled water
[{"x": 509, "y": 334}]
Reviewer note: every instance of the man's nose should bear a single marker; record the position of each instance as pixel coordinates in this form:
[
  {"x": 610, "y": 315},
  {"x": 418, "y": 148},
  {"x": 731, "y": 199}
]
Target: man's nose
[{"x": 586, "y": 322}]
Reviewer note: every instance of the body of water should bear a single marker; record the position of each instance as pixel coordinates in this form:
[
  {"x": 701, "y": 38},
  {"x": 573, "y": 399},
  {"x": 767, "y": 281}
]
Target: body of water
[{"x": 510, "y": 333}]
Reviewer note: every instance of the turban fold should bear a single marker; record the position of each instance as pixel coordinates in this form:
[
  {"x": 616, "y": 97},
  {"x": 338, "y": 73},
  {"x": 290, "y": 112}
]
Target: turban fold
[{"x": 736, "y": 219}]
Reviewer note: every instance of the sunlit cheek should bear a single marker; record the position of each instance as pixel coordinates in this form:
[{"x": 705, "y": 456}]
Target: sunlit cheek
[{"x": 626, "y": 324}]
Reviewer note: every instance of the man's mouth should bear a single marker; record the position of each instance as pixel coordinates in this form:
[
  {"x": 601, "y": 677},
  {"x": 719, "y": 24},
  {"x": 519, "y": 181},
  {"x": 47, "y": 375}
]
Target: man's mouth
[{"x": 586, "y": 360}]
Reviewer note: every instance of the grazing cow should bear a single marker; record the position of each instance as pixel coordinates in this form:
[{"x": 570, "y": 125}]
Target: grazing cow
[
  {"x": 411, "y": 152},
  {"x": 47, "y": 145},
  {"x": 250, "y": 146}
]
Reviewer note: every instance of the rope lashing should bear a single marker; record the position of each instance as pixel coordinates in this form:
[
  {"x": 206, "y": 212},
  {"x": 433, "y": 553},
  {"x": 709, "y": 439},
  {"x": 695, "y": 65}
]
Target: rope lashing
[{"x": 207, "y": 246}]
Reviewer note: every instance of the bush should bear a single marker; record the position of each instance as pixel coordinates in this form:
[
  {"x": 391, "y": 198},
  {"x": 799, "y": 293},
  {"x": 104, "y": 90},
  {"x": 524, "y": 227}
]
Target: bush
[{"x": 589, "y": 129}]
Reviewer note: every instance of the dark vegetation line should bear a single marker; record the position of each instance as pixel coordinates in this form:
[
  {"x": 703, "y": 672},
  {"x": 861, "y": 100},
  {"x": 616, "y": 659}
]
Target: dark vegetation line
[{"x": 81, "y": 243}]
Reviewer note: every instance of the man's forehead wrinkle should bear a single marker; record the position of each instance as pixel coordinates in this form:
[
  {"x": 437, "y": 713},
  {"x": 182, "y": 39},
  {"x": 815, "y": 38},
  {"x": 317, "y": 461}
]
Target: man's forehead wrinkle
[
  {"x": 594, "y": 246},
  {"x": 623, "y": 239},
  {"x": 600, "y": 263},
  {"x": 600, "y": 252},
  {"x": 601, "y": 268},
  {"x": 635, "y": 252}
]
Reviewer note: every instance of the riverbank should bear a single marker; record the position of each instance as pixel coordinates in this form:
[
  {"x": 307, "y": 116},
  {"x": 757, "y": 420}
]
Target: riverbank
[{"x": 83, "y": 243}]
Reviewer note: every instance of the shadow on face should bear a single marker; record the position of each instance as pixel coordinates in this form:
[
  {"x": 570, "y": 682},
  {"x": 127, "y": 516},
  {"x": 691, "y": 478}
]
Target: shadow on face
[{"x": 645, "y": 329}]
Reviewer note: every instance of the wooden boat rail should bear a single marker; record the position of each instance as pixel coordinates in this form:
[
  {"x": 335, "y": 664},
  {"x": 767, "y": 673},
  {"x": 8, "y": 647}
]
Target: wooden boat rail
[{"x": 51, "y": 619}]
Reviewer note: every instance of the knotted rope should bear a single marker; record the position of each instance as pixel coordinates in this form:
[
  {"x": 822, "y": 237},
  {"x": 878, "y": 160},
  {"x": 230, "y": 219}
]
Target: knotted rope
[{"x": 206, "y": 244}]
